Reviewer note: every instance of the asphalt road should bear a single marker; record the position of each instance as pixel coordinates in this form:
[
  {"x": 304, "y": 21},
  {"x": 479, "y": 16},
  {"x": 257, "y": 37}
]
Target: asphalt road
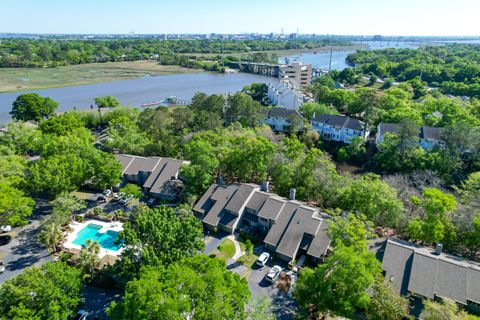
[{"x": 24, "y": 250}]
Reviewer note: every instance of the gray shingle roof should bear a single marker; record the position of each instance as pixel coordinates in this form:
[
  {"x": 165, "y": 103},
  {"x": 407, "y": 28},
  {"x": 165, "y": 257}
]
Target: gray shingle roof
[
  {"x": 388, "y": 128},
  {"x": 274, "y": 235},
  {"x": 422, "y": 276},
  {"x": 397, "y": 264},
  {"x": 339, "y": 121},
  {"x": 257, "y": 200},
  {"x": 295, "y": 224},
  {"x": 124, "y": 160},
  {"x": 239, "y": 198},
  {"x": 282, "y": 113},
  {"x": 416, "y": 269},
  {"x": 204, "y": 204},
  {"x": 431, "y": 133},
  {"x": 321, "y": 242},
  {"x": 271, "y": 209},
  {"x": 135, "y": 164},
  {"x": 168, "y": 171},
  {"x": 302, "y": 223},
  {"x": 219, "y": 197}
]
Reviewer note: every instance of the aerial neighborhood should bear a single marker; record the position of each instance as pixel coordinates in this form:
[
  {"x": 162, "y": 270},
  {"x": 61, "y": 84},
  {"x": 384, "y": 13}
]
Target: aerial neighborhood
[{"x": 249, "y": 176}]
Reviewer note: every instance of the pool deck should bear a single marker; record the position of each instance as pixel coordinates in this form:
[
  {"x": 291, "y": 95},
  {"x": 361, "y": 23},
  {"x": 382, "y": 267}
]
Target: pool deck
[{"x": 106, "y": 226}]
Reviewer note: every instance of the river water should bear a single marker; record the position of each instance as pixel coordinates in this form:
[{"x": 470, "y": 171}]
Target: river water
[
  {"x": 139, "y": 91},
  {"x": 322, "y": 59},
  {"x": 136, "y": 92}
]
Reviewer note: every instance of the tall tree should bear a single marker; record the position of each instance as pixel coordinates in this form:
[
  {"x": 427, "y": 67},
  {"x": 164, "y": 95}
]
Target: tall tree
[
  {"x": 31, "y": 106},
  {"x": 158, "y": 237},
  {"x": 260, "y": 308},
  {"x": 20, "y": 137},
  {"x": 242, "y": 108},
  {"x": 49, "y": 292},
  {"x": 107, "y": 102},
  {"x": 197, "y": 288},
  {"x": 350, "y": 230},
  {"x": 446, "y": 310},
  {"x": 371, "y": 196},
  {"x": 386, "y": 303},
  {"x": 338, "y": 286},
  {"x": 51, "y": 235},
  {"x": 88, "y": 260},
  {"x": 15, "y": 206},
  {"x": 436, "y": 224}
]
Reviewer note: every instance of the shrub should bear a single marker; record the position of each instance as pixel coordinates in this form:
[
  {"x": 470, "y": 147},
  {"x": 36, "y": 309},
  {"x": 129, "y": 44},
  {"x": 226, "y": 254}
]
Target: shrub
[{"x": 249, "y": 246}]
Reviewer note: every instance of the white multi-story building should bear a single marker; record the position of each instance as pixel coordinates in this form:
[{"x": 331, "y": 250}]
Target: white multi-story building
[
  {"x": 428, "y": 137},
  {"x": 339, "y": 128},
  {"x": 299, "y": 74},
  {"x": 287, "y": 95},
  {"x": 282, "y": 119}
]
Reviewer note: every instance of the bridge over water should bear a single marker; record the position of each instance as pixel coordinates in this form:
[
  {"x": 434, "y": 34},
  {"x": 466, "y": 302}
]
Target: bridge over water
[{"x": 266, "y": 69}]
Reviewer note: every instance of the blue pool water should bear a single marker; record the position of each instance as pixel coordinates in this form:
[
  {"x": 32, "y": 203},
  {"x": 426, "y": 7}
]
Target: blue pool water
[{"x": 105, "y": 240}]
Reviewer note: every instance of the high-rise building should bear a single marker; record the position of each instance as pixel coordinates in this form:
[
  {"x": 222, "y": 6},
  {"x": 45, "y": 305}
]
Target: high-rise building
[{"x": 300, "y": 75}]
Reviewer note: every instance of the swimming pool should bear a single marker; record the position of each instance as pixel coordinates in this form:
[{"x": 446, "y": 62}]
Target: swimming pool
[{"x": 105, "y": 240}]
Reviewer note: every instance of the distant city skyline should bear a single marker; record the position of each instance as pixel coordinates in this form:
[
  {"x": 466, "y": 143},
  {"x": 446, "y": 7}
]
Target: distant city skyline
[{"x": 345, "y": 17}]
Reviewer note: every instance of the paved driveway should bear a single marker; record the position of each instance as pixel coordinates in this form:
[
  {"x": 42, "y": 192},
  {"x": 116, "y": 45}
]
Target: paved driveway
[
  {"x": 212, "y": 241},
  {"x": 283, "y": 304},
  {"x": 98, "y": 299},
  {"x": 24, "y": 250}
]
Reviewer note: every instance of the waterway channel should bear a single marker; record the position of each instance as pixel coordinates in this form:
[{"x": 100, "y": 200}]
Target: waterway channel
[{"x": 138, "y": 91}]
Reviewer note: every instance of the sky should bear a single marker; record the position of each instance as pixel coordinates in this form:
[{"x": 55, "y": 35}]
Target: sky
[{"x": 342, "y": 17}]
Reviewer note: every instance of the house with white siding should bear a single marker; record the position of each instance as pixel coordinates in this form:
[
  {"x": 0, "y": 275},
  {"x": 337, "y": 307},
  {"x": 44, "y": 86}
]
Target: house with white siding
[
  {"x": 428, "y": 137},
  {"x": 281, "y": 119},
  {"x": 339, "y": 128},
  {"x": 285, "y": 94}
]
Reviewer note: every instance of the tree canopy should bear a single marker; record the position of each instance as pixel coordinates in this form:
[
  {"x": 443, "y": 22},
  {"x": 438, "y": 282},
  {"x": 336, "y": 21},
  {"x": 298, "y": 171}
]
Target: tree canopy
[
  {"x": 370, "y": 196},
  {"x": 52, "y": 291},
  {"x": 198, "y": 287},
  {"x": 340, "y": 284},
  {"x": 158, "y": 237},
  {"x": 31, "y": 106},
  {"x": 107, "y": 102}
]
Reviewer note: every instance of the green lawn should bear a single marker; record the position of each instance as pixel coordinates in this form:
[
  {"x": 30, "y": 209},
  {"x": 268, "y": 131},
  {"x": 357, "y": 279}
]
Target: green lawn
[
  {"x": 248, "y": 260},
  {"x": 226, "y": 250}
]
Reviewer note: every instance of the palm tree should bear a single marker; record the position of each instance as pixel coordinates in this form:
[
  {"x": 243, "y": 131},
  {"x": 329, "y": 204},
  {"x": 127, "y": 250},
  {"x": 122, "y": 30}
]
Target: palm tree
[
  {"x": 51, "y": 236},
  {"x": 88, "y": 260}
]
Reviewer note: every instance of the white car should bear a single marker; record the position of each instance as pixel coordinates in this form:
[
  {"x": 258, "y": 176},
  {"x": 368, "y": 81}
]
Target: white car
[
  {"x": 273, "y": 274},
  {"x": 118, "y": 196},
  {"x": 262, "y": 259},
  {"x": 5, "y": 228},
  {"x": 107, "y": 192},
  {"x": 2, "y": 267}
]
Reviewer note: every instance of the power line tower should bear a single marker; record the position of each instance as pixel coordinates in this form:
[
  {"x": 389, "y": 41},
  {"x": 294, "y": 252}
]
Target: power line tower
[
  {"x": 223, "y": 55},
  {"x": 331, "y": 55}
]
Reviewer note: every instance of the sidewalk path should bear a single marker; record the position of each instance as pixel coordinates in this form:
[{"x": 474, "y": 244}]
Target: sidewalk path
[{"x": 238, "y": 249}]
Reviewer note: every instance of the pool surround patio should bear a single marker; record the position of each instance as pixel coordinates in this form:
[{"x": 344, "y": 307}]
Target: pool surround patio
[{"x": 76, "y": 227}]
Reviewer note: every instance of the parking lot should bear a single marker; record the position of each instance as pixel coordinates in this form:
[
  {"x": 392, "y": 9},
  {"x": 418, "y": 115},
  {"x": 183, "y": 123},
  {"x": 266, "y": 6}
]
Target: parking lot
[
  {"x": 283, "y": 304},
  {"x": 24, "y": 250}
]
